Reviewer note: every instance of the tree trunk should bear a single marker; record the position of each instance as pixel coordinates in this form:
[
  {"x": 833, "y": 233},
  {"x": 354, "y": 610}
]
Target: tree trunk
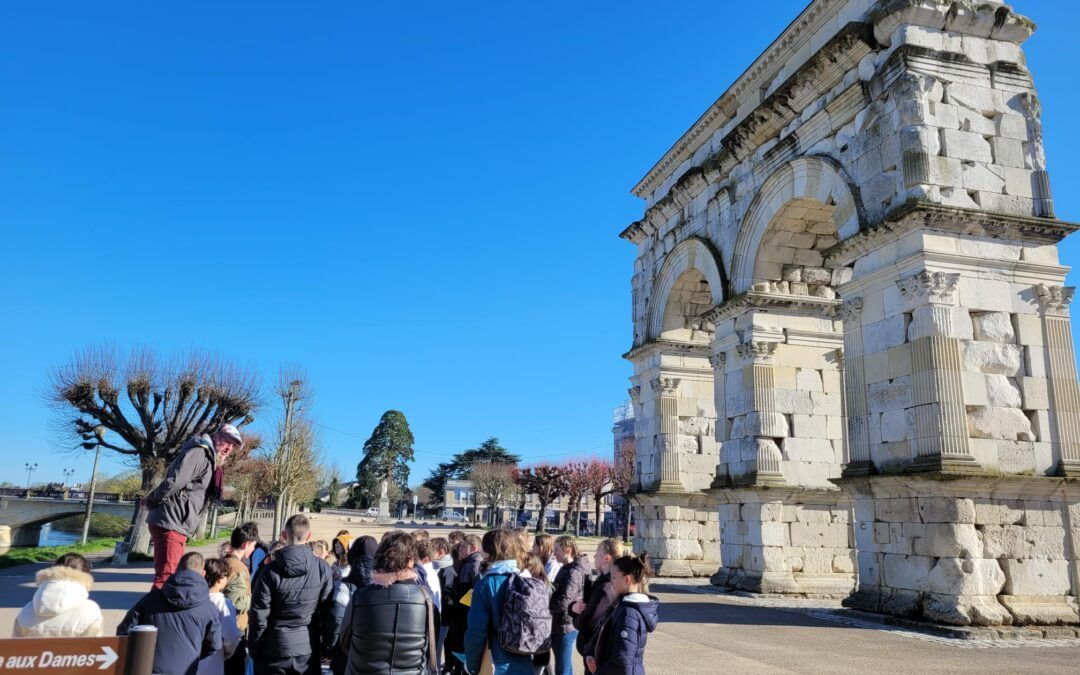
[
  {"x": 138, "y": 538},
  {"x": 541, "y": 520},
  {"x": 279, "y": 507},
  {"x": 626, "y": 520},
  {"x": 597, "y": 505}
]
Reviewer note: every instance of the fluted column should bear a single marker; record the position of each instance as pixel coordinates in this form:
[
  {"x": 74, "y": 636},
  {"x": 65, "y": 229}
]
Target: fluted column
[
  {"x": 666, "y": 391},
  {"x": 763, "y": 401},
  {"x": 857, "y": 449},
  {"x": 1061, "y": 370},
  {"x": 635, "y": 400},
  {"x": 719, "y": 364},
  {"x": 937, "y": 389}
]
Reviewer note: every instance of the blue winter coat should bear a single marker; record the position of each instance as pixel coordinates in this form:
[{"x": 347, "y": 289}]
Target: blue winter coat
[
  {"x": 620, "y": 648},
  {"x": 485, "y": 613},
  {"x": 189, "y": 625}
]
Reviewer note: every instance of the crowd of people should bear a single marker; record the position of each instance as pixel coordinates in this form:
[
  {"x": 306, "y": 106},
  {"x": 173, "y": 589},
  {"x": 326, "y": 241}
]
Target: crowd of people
[{"x": 504, "y": 602}]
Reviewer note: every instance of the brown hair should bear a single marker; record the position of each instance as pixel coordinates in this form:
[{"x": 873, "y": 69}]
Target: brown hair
[
  {"x": 342, "y": 533},
  {"x": 523, "y": 535},
  {"x": 505, "y": 545},
  {"x": 612, "y": 547},
  {"x": 74, "y": 561},
  {"x": 636, "y": 567},
  {"x": 535, "y": 567},
  {"x": 395, "y": 552},
  {"x": 321, "y": 548},
  {"x": 193, "y": 561},
  {"x": 297, "y": 528},
  {"x": 546, "y": 544},
  {"x": 438, "y": 544},
  {"x": 455, "y": 536},
  {"x": 567, "y": 542},
  {"x": 423, "y": 550},
  {"x": 421, "y": 535},
  {"x": 473, "y": 542},
  {"x": 216, "y": 569}
]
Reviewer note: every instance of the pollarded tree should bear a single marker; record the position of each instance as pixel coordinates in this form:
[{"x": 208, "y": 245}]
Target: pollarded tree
[
  {"x": 598, "y": 475},
  {"x": 577, "y": 486},
  {"x": 622, "y": 479},
  {"x": 547, "y": 482},
  {"x": 145, "y": 407},
  {"x": 387, "y": 454}
]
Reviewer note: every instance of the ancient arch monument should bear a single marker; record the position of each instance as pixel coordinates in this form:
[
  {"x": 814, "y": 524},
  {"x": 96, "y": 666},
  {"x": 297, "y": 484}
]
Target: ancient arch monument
[{"x": 853, "y": 363}]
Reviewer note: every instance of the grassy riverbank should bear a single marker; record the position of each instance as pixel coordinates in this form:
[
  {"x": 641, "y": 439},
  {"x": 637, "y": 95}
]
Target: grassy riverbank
[{"x": 35, "y": 554}]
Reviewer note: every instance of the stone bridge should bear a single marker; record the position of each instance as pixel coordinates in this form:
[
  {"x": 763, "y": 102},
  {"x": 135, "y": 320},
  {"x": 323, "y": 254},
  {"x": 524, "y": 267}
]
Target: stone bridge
[
  {"x": 853, "y": 358},
  {"x": 21, "y": 517}
]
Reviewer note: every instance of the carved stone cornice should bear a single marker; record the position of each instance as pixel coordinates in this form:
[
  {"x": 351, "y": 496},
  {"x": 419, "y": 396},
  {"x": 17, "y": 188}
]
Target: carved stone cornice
[
  {"x": 668, "y": 346},
  {"x": 750, "y": 82},
  {"x": 757, "y": 350},
  {"x": 981, "y": 19},
  {"x": 949, "y": 219},
  {"x": 936, "y": 287},
  {"x": 824, "y": 70},
  {"x": 1055, "y": 300},
  {"x": 665, "y": 386},
  {"x": 797, "y": 304}
]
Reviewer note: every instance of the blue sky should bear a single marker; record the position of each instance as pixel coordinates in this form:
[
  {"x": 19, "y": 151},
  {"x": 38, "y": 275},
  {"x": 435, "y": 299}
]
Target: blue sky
[{"x": 419, "y": 203}]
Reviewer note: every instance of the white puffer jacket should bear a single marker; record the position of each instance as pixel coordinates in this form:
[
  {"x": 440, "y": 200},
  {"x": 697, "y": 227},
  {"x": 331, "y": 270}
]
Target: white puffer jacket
[{"x": 61, "y": 606}]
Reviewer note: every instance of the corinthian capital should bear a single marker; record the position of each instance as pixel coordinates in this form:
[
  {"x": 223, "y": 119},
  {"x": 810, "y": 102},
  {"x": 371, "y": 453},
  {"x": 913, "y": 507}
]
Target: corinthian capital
[
  {"x": 718, "y": 360},
  {"x": 759, "y": 351},
  {"x": 665, "y": 386},
  {"x": 935, "y": 287},
  {"x": 851, "y": 310},
  {"x": 1055, "y": 299}
]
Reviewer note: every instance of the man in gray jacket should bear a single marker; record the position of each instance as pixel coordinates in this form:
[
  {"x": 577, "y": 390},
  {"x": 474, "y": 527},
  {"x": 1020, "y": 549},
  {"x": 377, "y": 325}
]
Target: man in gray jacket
[{"x": 176, "y": 505}]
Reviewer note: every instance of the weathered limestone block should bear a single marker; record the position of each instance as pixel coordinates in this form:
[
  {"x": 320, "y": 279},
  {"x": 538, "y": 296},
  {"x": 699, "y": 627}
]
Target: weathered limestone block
[
  {"x": 989, "y": 357},
  {"x": 993, "y": 327},
  {"x": 976, "y": 610},
  {"x": 946, "y": 510},
  {"x": 906, "y": 571},
  {"x": 1036, "y": 577},
  {"x": 951, "y": 576},
  {"x": 948, "y": 540},
  {"x": 1002, "y": 392},
  {"x": 820, "y": 535},
  {"x": 1003, "y": 541},
  {"x": 1003, "y": 423},
  {"x": 897, "y": 425},
  {"x": 1041, "y": 609},
  {"x": 925, "y": 321},
  {"x": 992, "y": 512},
  {"x": 901, "y": 510},
  {"x": 890, "y": 395},
  {"x": 1034, "y": 393},
  {"x": 1016, "y": 456}
]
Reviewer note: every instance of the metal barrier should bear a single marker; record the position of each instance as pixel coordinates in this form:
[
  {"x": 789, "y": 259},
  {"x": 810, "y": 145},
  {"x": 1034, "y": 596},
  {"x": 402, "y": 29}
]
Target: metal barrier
[{"x": 132, "y": 654}]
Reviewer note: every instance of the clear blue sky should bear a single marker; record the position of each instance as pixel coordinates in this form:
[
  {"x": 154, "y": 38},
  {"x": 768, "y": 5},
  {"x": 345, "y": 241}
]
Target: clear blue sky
[{"x": 419, "y": 202}]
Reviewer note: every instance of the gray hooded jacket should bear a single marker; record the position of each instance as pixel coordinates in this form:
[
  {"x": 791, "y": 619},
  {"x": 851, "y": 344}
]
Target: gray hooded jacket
[{"x": 177, "y": 503}]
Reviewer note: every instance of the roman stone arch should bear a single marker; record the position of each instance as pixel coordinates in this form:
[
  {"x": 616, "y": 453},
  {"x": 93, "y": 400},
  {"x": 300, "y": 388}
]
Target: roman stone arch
[
  {"x": 692, "y": 274},
  {"x": 813, "y": 190}
]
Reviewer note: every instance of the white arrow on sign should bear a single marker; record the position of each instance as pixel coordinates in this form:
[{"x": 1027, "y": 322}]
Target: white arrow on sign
[{"x": 107, "y": 658}]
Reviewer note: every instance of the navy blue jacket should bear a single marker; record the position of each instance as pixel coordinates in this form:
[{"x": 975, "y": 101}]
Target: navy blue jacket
[
  {"x": 292, "y": 595},
  {"x": 189, "y": 625},
  {"x": 620, "y": 647}
]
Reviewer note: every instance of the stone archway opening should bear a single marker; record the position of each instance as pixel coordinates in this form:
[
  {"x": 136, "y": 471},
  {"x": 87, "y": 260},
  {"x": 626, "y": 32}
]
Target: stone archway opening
[
  {"x": 791, "y": 257},
  {"x": 684, "y": 315}
]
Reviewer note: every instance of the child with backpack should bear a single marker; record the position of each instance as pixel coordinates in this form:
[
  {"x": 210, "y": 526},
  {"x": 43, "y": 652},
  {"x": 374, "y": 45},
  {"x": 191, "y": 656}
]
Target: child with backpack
[
  {"x": 620, "y": 646},
  {"x": 509, "y": 613}
]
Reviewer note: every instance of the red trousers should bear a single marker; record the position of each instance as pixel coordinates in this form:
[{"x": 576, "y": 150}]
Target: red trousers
[{"x": 168, "y": 549}]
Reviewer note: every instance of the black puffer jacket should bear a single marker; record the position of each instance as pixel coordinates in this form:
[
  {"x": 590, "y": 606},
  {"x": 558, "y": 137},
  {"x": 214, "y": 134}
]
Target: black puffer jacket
[
  {"x": 569, "y": 588},
  {"x": 189, "y": 626},
  {"x": 599, "y": 604},
  {"x": 290, "y": 597},
  {"x": 389, "y": 632}
]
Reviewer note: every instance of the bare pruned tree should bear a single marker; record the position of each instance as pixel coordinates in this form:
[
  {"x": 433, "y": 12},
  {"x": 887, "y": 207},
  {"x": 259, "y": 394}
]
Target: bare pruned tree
[
  {"x": 494, "y": 486},
  {"x": 145, "y": 407},
  {"x": 295, "y": 457}
]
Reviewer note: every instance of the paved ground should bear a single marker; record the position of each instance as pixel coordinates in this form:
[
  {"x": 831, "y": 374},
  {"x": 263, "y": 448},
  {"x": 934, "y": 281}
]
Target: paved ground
[{"x": 702, "y": 631}]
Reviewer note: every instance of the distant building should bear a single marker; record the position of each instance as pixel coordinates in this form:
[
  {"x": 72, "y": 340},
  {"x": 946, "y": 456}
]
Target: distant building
[
  {"x": 622, "y": 429},
  {"x": 458, "y": 504}
]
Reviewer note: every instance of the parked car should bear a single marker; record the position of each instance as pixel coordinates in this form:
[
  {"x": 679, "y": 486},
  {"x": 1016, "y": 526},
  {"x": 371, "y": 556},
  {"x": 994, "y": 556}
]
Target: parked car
[
  {"x": 373, "y": 511},
  {"x": 454, "y": 516}
]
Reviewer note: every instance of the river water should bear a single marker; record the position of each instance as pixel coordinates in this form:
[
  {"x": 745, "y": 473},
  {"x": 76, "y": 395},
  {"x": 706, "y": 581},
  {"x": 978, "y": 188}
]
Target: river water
[{"x": 51, "y": 537}]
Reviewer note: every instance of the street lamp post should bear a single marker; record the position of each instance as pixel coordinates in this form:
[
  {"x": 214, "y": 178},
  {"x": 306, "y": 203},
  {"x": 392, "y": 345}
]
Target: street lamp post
[
  {"x": 30, "y": 469},
  {"x": 68, "y": 473}
]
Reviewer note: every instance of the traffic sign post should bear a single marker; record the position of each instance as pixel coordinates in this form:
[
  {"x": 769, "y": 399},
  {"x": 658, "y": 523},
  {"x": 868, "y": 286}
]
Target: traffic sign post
[{"x": 125, "y": 655}]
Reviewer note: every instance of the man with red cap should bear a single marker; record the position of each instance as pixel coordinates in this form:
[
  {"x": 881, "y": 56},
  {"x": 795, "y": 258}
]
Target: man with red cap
[{"x": 191, "y": 483}]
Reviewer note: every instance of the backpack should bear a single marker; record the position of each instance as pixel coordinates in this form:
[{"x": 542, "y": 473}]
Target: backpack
[{"x": 525, "y": 626}]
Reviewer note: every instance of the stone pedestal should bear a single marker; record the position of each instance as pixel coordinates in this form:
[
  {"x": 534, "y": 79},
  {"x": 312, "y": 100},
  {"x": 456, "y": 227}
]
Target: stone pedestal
[
  {"x": 786, "y": 540},
  {"x": 680, "y": 532},
  {"x": 965, "y": 550},
  {"x": 384, "y": 512},
  {"x": 27, "y": 535}
]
